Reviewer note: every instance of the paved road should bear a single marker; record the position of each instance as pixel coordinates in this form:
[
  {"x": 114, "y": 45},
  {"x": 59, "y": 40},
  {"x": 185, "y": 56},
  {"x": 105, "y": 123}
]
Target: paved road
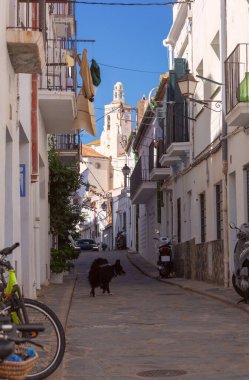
[{"x": 149, "y": 329}]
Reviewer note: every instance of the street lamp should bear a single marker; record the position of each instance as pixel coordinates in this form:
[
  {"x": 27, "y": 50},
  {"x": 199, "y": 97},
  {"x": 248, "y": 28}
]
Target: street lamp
[
  {"x": 126, "y": 171},
  {"x": 187, "y": 86}
]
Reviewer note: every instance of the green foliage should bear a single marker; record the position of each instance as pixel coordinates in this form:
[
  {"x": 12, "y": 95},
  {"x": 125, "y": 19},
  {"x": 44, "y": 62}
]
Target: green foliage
[
  {"x": 60, "y": 260},
  {"x": 65, "y": 215},
  {"x": 64, "y": 181}
]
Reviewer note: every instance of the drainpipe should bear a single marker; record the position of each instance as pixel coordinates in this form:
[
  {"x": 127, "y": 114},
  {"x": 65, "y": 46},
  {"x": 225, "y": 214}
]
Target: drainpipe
[
  {"x": 35, "y": 167},
  {"x": 170, "y": 46},
  {"x": 34, "y": 111},
  {"x": 223, "y": 37}
]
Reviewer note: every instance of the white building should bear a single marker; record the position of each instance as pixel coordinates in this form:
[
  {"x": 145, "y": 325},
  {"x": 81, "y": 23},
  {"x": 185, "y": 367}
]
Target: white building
[
  {"x": 146, "y": 183},
  {"x": 105, "y": 159},
  {"x": 207, "y": 146},
  {"x": 31, "y": 101}
]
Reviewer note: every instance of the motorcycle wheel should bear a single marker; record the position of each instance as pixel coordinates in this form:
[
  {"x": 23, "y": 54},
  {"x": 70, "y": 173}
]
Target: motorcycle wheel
[
  {"x": 165, "y": 272},
  {"x": 238, "y": 290}
]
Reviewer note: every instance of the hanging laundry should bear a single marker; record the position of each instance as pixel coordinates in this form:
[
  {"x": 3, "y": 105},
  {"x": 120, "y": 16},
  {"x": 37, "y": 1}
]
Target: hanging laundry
[
  {"x": 87, "y": 88},
  {"x": 85, "y": 115},
  {"x": 69, "y": 60},
  {"x": 95, "y": 72}
]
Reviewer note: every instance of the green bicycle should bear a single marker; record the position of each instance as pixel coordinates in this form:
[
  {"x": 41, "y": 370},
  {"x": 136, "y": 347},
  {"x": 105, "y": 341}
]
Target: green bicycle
[{"x": 23, "y": 311}]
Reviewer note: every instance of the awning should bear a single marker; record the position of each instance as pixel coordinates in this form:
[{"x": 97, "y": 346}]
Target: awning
[{"x": 85, "y": 115}]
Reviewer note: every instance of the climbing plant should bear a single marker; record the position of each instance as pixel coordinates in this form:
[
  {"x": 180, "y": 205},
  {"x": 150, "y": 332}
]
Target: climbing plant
[{"x": 64, "y": 181}]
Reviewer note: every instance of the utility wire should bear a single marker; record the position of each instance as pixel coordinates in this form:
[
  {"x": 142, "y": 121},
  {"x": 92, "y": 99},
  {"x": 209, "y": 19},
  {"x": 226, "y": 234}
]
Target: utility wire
[
  {"x": 133, "y": 4},
  {"x": 128, "y": 69}
]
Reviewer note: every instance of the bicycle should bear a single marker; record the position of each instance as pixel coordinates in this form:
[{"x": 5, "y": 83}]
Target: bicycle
[
  {"x": 15, "y": 360},
  {"x": 24, "y": 311}
]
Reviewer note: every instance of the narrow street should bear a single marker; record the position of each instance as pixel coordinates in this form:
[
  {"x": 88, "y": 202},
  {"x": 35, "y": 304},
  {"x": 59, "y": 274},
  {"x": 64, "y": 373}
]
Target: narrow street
[{"x": 150, "y": 329}]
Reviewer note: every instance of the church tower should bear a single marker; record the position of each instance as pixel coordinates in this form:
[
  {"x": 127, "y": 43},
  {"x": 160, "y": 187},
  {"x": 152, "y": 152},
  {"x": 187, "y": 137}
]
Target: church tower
[
  {"x": 117, "y": 126},
  {"x": 117, "y": 129}
]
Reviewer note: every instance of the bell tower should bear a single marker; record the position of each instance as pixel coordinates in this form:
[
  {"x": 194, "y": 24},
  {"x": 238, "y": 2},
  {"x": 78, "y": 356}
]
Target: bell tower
[{"x": 118, "y": 93}]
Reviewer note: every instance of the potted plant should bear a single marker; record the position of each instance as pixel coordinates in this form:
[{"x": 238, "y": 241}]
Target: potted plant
[{"x": 60, "y": 262}]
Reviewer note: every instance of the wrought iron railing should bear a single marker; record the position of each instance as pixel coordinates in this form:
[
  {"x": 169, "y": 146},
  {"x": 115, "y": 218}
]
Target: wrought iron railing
[
  {"x": 237, "y": 76},
  {"x": 62, "y": 8},
  {"x": 58, "y": 75},
  {"x": 177, "y": 129},
  {"x": 139, "y": 175},
  {"x": 66, "y": 142},
  {"x": 155, "y": 153}
]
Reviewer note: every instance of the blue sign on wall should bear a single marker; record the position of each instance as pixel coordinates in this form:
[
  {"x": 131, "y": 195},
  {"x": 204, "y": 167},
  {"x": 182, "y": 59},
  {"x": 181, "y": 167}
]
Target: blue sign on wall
[{"x": 22, "y": 180}]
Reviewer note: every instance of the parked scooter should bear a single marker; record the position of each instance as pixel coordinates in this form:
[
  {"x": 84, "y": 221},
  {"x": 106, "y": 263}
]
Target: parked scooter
[
  {"x": 240, "y": 278},
  {"x": 121, "y": 240},
  {"x": 164, "y": 263}
]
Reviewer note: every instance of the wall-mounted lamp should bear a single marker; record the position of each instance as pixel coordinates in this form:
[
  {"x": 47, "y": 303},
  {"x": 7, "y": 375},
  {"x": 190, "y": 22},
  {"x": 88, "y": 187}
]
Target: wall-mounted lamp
[
  {"x": 187, "y": 86},
  {"x": 126, "y": 171}
]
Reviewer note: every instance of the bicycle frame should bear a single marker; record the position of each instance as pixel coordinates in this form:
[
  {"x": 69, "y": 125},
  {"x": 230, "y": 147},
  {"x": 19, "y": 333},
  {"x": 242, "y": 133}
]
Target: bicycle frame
[{"x": 12, "y": 294}]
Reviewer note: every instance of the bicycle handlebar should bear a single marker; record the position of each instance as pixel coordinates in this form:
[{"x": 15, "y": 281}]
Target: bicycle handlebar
[{"x": 8, "y": 250}]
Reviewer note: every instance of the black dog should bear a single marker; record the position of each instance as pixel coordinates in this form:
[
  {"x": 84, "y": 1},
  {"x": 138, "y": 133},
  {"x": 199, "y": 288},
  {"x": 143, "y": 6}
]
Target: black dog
[{"x": 101, "y": 273}]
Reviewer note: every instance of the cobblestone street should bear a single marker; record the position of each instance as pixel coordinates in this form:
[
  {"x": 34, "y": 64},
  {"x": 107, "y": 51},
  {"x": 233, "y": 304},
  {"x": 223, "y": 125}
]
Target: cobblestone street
[{"x": 151, "y": 329}]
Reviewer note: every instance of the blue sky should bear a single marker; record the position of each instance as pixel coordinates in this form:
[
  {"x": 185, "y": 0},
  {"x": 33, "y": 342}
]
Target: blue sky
[{"x": 129, "y": 37}]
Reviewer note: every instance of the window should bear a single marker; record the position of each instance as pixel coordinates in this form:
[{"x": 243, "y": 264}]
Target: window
[
  {"x": 108, "y": 122},
  {"x": 179, "y": 222},
  {"x": 203, "y": 217},
  {"x": 219, "y": 216}
]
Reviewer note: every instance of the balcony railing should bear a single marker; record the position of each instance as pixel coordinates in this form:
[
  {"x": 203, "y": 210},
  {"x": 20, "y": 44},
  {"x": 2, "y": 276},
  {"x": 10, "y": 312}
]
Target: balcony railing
[
  {"x": 157, "y": 171},
  {"x": 139, "y": 175},
  {"x": 237, "y": 81},
  {"x": 155, "y": 153},
  {"x": 177, "y": 124},
  {"x": 68, "y": 147},
  {"x": 66, "y": 142},
  {"x": 25, "y": 40},
  {"x": 64, "y": 18},
  {"x": 58, "y": 75}
]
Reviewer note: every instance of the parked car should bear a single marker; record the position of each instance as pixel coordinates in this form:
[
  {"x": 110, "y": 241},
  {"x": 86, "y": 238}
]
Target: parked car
[
  {"x": 75, "y": 246},
  {"x": 87, "y": 244}
]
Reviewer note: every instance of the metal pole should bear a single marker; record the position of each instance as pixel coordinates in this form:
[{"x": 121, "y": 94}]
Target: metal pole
[{"x": 223, "y": 15}]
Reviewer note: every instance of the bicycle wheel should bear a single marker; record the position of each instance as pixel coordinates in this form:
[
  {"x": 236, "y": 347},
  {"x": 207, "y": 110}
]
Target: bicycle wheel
[{"x": 52, "y": 339}]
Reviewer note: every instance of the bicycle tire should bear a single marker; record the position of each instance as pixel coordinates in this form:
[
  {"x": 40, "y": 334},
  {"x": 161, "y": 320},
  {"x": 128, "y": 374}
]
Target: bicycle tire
[{"x": 52, "y": 339}]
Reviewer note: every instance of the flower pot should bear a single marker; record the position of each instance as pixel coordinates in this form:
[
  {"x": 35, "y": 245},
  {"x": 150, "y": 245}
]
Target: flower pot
[{"x": 56, "y": 278}]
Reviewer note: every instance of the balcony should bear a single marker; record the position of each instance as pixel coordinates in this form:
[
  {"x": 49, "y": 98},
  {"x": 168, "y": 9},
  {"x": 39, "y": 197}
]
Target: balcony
[
  {"x": 57, "y": 88},
  {"x": 237, "y": 86},
  {"x": 26, "y": 47},
  {"x": 25, "y": 40},
  {"x": 63, "y": 16},
  {"x": 176, "y": 143},
  {"x": 68, "y": 147},
  {"x": 141, "y": 187},
  {"x": 157, "y": 172}
]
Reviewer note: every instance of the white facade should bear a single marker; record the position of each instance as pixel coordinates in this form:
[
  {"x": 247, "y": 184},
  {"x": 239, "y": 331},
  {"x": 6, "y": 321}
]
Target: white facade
[
  {"x": 214, "y": 172},
  {"x": 24, "y": 212},
  {"x": 24, "y": 209}
]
